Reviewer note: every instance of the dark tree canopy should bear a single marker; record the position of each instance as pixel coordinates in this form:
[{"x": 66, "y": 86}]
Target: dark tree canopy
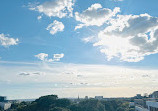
[{"x": 53, "y": 103}]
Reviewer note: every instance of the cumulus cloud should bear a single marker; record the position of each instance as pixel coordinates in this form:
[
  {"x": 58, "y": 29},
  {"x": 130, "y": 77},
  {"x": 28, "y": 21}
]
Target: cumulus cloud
[
  {"x": 129, "y": 37},
  {"x": 6, "y": 41},
  {"x": 55, "y": 27},
  {"x": 44, "y": 57},
  {"x": 95, "y": 15},
  {"x": 55, "y": 8}
]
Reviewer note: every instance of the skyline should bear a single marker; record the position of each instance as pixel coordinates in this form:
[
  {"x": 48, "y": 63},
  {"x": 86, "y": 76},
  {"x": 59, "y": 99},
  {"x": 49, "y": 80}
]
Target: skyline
[{"x": 54, "y": 46}]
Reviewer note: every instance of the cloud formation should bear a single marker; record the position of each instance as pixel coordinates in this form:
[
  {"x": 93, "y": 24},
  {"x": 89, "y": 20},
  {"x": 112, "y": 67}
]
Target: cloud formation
[
  {"x": 94, "y": 76},
  {"x": 57, "y": 57},
  {"x": 55, "y": 27},
  {"x": 129, "y": 37},
  {"x": 6, "y": 41},
  {"x": 31, "y": 73},
  {"x": 55, "y": 8},
  {"x": 24, "y": 74},
  {"x": 44, "y": 57},
  {"x": 95, "y": 15}
]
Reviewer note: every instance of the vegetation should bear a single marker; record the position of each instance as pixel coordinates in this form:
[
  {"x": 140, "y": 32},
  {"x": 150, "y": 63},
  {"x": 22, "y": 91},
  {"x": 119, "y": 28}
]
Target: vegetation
[{"x": 53, "y": 103}]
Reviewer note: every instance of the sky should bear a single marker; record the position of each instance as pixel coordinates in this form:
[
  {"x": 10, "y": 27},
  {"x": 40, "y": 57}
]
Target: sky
[{"x": 78, "y": 47}]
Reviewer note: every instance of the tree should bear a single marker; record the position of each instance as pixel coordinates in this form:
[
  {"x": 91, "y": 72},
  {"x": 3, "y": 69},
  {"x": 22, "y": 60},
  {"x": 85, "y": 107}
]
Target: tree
[
  {"x": 91, "y": 105},
  {"x": 63, "y": 103},
  {"x": 59, "y": 109},
  {"x": 75, "y": 107},
  {"x": 46, "y": 102},
  {"x": 1, "y": 109},
  {"x": 120, "y": 109},
  {"x": 52, "y": 103}
]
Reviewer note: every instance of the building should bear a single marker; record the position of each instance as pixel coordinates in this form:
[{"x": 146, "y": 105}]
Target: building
[
  {"x": 154, "y": 94},
  {"x": 3, "y": 98},
  {"x": 138, "y": 96},
  {"x": 99, "y": 97},
  {"x": 140, "y": 105},
  {"x": 139, "y": 108},
  {"x": 152, "y": 105},
  {"x": 5, "y": 105},
  {"x": 86, "y": 97},
  {"x": 140, "y": 102},
  {"x": 147, "y": 104}
]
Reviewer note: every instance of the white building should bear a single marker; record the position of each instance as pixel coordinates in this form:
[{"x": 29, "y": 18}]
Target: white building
[
  {"x": 139, "y": 108},
  {"x": 152, "y": 105},
  {"x": 5, "y": 105}
]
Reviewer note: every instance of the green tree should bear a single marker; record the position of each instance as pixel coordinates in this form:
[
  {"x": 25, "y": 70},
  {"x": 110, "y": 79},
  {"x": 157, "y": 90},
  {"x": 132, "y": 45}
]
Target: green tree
[
  {"x": 46, "y": 102},
  {"x": 63, "y": 103},
  {"x": 92, "y": 105},
  {"x": 75, "y": 107},
  {"x": 59, "y": 109}
]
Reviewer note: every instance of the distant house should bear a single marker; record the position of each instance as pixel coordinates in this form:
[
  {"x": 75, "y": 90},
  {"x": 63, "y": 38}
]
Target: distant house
[
  {"x": 4, "y": 104},
  {"x": 86, "y": 97}
]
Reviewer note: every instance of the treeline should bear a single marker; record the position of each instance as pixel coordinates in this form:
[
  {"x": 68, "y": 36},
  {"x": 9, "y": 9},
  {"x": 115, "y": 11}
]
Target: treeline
[{"x": 53, "y": 103}]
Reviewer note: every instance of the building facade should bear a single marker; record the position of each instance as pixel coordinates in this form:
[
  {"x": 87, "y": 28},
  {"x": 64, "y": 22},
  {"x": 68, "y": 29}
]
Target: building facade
[
  {"x": 147, "y": 104},
  {"x": 5, "y": 105},
  {"x": 152, "y": 105},
  {"x": 2, "y": 98}
]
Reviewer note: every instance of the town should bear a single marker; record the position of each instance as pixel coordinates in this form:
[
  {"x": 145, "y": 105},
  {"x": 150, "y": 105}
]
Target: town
[{"x": 136, "y": 103}]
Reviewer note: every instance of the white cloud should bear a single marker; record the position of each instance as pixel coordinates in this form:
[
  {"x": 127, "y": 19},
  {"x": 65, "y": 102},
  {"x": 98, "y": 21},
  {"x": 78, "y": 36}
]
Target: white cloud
[
  {"x": 39, "y": 17},
  {"x": 95, "y": 15},
  {"x": 55, "y": 8},
  {"x": 91, "y": 39},
  {"x": 129, "y": 37},
  {"x": 55, "y": 27},
  {"x": 44, "y": 57},
  {"x": 24, "y": 74},
  {"x": 6, "y": 41},
  {"x": 57, "y": 57},
  {"x": 31, "y": 73}
]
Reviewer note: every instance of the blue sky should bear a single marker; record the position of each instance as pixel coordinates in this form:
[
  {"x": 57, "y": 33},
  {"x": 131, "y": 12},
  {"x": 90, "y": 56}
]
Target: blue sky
[{"x": 39, "y": 36}]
